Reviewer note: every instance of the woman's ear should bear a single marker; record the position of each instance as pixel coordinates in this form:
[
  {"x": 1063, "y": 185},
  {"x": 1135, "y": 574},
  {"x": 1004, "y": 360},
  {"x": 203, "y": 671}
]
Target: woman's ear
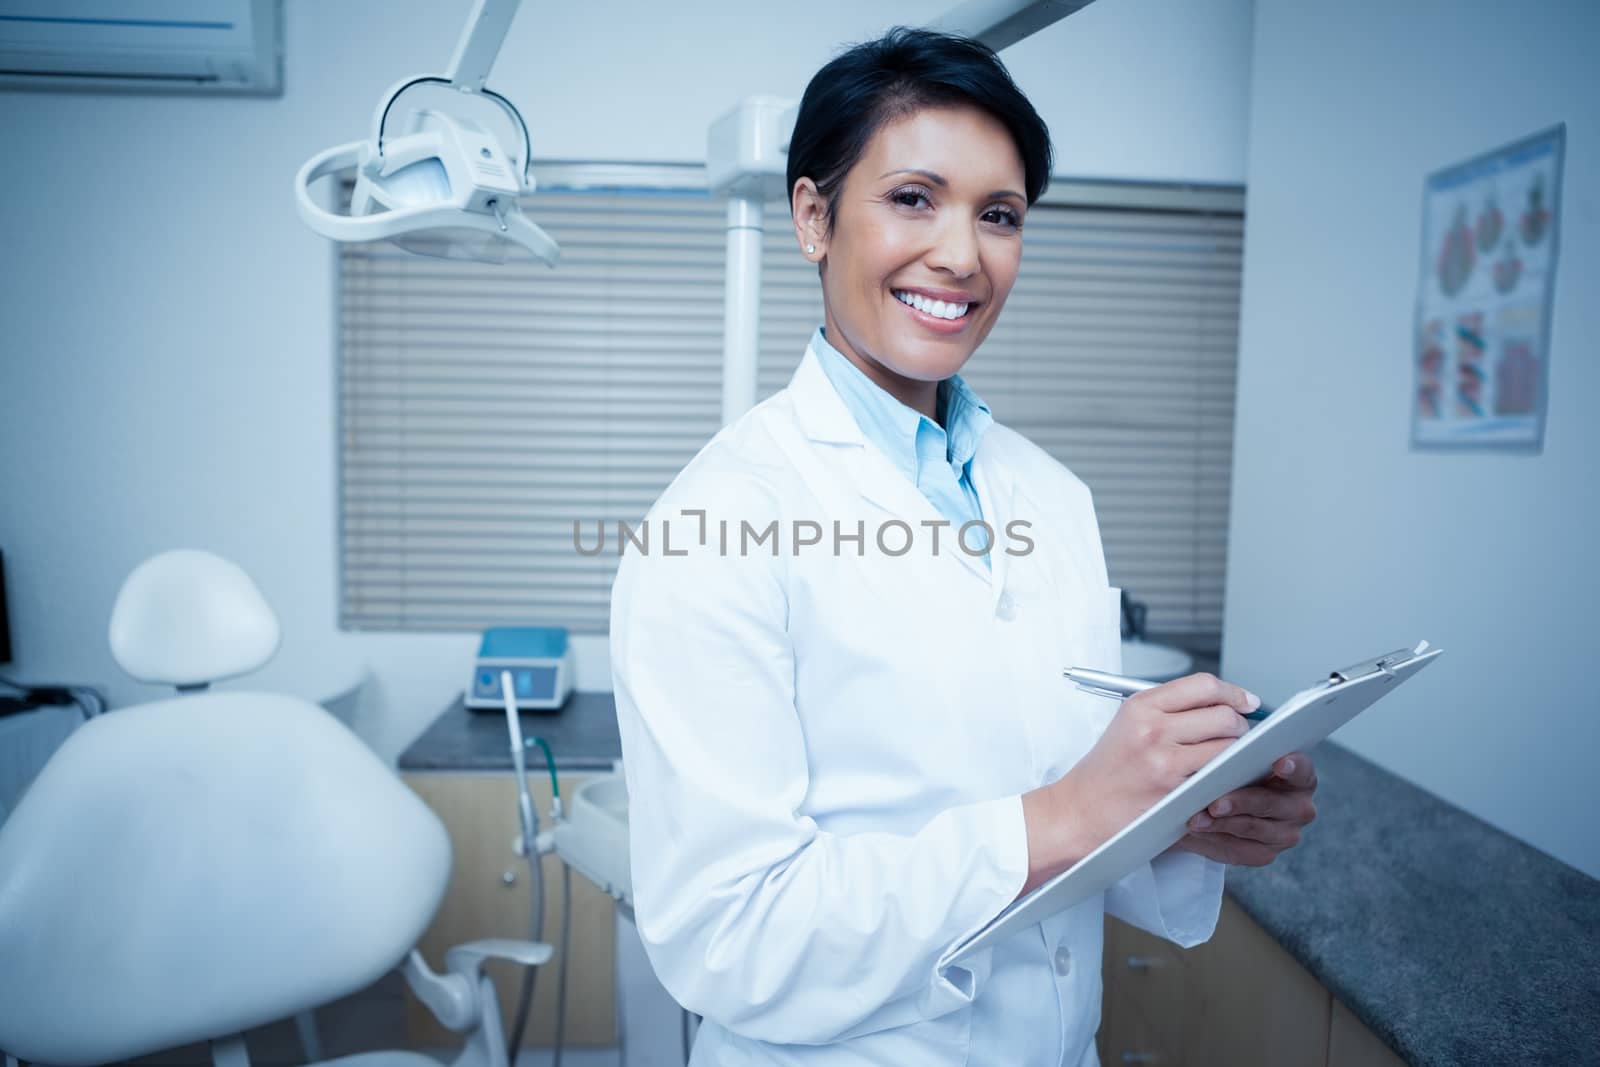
[{"x": 810, "y": 220}]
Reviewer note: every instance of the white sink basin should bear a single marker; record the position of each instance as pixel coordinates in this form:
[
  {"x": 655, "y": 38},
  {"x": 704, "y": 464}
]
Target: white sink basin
[
  {"x": 1155, "y": 663},
  {"x": 609, "y": 796},
  {"x": 593, "y": 837}
]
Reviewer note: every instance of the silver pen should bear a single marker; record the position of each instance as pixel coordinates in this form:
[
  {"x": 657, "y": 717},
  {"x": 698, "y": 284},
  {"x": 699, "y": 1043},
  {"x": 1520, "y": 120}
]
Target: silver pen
[
  {"x": 1121, "y": 687},
  {"x": 1101, "y": 684}
]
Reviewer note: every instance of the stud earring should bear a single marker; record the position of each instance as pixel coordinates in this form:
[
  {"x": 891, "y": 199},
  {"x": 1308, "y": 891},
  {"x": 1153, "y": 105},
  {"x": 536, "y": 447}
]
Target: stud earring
[{"x": 810, "y": 249}]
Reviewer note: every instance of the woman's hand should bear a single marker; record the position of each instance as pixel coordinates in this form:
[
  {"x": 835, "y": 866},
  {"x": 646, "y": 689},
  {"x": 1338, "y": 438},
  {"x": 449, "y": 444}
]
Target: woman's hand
[
  {"x": 1251, "y": 826},
  {"x": 1158, "y": 738}
]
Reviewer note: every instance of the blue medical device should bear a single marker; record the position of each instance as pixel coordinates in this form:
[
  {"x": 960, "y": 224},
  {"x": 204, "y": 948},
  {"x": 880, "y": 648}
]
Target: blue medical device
[{"x": 539, "y": 659}]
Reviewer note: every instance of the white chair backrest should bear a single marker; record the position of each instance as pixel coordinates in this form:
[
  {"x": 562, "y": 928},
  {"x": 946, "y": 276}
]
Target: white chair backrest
[
  {"x": 190, "y": 868},
  {"x": 189, "y": 617}
]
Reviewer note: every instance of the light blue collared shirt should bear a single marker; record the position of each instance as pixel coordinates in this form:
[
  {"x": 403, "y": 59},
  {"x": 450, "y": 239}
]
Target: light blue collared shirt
[{"x": 937, "y": 459}]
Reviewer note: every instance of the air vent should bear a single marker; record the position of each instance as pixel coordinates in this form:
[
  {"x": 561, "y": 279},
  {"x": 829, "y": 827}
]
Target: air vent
[{"x": 219, "y": 46}]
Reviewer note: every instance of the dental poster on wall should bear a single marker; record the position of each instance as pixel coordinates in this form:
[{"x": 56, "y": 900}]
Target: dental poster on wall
[{"x": 1481, "y": 352}]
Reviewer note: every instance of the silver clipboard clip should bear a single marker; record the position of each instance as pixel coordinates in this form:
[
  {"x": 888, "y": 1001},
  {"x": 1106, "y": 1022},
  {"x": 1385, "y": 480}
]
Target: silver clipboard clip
[{"x": 1383, "y": 664}]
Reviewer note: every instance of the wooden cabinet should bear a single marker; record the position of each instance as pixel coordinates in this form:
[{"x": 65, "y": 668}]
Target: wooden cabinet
[
  {"x": 480, "y": 813},
  {"x": 1236, "y": 1001},
  {"x": 1351, "y": 1044}
]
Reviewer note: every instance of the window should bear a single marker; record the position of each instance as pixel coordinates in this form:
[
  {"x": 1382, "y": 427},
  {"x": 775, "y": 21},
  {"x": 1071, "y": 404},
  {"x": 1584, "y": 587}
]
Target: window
[{"x": 484, "y": 409}]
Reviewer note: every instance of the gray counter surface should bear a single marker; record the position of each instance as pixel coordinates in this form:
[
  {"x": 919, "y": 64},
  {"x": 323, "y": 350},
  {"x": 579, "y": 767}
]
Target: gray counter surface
[
  {"x": 582, "y": 736},
  {"x": 1456, "y": 943}
]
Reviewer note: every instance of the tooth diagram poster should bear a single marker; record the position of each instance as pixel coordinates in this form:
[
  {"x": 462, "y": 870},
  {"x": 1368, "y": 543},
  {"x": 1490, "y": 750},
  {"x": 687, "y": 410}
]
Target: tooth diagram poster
[{"x": 1481, "y": 352}]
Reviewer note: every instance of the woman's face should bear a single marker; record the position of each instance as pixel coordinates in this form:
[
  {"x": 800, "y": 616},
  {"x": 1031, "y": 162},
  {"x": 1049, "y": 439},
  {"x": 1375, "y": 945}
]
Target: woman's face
[{"x": 932, "y": 211}]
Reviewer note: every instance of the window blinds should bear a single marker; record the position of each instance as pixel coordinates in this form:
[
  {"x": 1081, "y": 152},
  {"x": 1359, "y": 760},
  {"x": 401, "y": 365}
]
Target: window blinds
[{"x": 486, "y": 409}]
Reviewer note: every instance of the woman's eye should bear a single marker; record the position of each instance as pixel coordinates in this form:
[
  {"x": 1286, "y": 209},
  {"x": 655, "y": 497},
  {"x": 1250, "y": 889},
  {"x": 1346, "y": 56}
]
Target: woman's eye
[
  {"x": 1002, "y": 215},
  {"x": 908, "y": 197}
]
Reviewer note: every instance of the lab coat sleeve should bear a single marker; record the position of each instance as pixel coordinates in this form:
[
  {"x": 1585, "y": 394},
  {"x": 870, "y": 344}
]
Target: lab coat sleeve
[
  {"x": 750, "y": 913},
  {"x": 1176, "y": 896}
]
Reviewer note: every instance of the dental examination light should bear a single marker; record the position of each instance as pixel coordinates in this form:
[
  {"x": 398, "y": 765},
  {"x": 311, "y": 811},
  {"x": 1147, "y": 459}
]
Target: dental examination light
[
  {"x": 747, "y": 160},
  {"x": 434, "y": 178}
]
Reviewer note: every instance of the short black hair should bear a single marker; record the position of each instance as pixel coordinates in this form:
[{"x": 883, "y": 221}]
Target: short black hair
[{"x": 903, "y": 71}]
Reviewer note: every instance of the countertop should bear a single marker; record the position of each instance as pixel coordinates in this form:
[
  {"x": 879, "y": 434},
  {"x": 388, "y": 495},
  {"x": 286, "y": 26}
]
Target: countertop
[
  {"x": 582, "y": 736},
  {"x": 1454, "y": 942}
]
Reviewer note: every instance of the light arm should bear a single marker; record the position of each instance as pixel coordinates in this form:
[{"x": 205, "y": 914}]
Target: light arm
[
  {"x": 480, "y": 43},
  {"x": 1001, "y": 23}
]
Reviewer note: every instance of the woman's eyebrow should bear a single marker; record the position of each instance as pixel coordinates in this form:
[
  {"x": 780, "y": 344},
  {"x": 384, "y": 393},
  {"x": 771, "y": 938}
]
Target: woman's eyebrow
[{"x": 941, "y": 183}]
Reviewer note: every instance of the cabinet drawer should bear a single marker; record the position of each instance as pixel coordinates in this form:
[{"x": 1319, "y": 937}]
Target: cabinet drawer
[
  {"x": 1250, "y": 1002},
  {"x": 1351, "y": 1044},
  {"x": 480, "y": 813},
  {"x": 1236, "y": 1000},
  {"x": 1145, "y": 984}
]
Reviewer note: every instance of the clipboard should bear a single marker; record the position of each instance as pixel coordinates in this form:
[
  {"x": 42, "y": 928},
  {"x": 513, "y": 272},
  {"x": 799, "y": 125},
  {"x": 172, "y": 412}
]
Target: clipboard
[{"x": 1297, "y": 724}]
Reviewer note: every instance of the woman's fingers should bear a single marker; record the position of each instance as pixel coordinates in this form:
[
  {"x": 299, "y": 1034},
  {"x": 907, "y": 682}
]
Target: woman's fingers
[
  {"x": 1225, "y": 848},
  {"x": 1218, "y": 722},
  {"x": 1275, "y": 832},
  {"x": 1266, "y": 803},
  {"x": 1296, "y": 771},
  {"x": 1199, "y": 691}
]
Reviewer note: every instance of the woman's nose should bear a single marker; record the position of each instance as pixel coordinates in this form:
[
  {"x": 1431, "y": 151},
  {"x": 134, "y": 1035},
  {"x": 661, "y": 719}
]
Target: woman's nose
[{"x": 955, "y": 250}]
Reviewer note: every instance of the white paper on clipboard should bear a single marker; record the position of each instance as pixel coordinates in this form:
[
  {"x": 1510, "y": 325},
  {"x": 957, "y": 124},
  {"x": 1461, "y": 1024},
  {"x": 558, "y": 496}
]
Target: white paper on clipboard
[{"x": 1300, "y": 722}]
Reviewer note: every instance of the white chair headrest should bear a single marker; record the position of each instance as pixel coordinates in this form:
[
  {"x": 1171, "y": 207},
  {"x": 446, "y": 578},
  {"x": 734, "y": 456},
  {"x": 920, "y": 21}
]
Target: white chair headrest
[{"x": 189, "y": 617}]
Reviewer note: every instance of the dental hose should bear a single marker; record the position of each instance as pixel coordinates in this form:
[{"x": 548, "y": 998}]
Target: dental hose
[
  {"x": 536, "y": 926},
  {"x": 526, "y": 995},
  {"x": 530, "y": 833},
  {"x": 530, "y": 975}
]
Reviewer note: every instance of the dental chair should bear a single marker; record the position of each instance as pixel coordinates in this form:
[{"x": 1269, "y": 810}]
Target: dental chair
[{"x": 187, "y": 869}]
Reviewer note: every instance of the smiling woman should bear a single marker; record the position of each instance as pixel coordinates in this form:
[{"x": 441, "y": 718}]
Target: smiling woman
[
  {"x": 910, "y": 174},
  {"x": 843, "y": 761},
  {"x": 917, "y": 273}
]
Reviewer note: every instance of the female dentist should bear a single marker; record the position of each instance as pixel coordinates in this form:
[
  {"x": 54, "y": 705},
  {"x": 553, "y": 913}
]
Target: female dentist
[{"x": 846, "y": 737}]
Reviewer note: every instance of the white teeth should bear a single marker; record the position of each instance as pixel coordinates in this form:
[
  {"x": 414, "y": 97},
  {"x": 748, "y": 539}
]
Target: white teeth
[{"x": 936, "y": 308}]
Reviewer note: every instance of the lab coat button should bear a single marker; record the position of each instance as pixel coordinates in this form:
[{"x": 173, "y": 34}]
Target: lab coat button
[
  {"x": 1063, "y": 961},
  {"x": 1006, "y": 609}
]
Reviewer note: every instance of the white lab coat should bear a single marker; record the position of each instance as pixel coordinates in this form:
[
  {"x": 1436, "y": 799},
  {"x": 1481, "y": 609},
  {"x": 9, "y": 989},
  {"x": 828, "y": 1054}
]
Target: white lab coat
[{"x": 825, "y": 755}]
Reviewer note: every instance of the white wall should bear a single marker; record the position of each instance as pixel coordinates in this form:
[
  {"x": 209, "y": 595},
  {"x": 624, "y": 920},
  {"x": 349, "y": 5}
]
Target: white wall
[
  {"x": 167, "y": 369},
  {"x": 1345, "y": 543},
  {"x": 1154, "y": 90}
]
